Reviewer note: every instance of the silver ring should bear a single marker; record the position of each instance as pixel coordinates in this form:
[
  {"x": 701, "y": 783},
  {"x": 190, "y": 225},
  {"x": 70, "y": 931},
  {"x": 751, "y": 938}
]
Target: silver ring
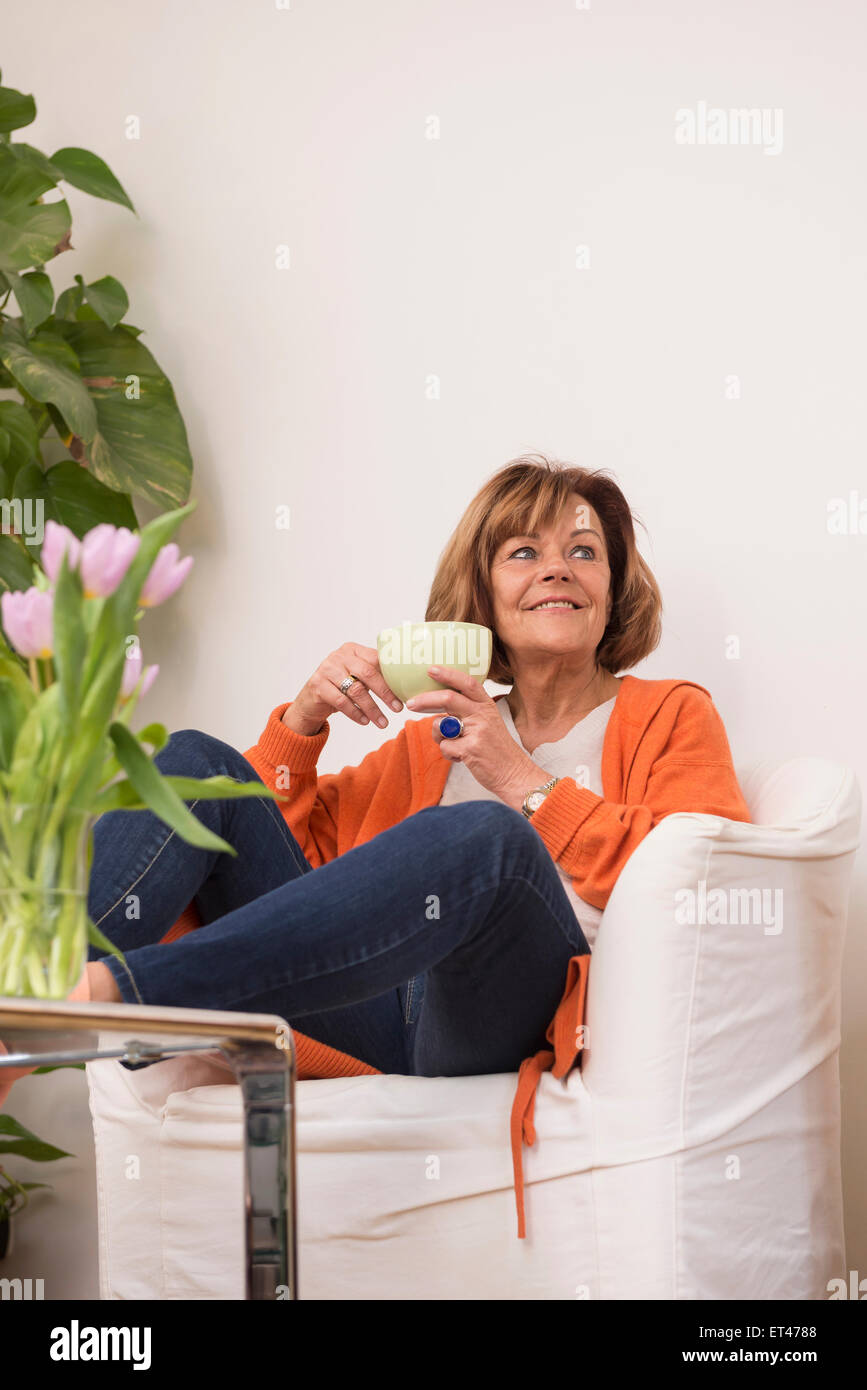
[{"x": 347, "y": 682}]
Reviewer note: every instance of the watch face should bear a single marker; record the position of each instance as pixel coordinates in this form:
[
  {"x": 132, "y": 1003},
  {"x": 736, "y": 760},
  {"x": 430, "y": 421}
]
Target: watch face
[{"x": 535, "y": 799}]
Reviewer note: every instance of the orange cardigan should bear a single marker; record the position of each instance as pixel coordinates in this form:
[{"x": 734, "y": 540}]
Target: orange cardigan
[{"x": 665, "y": 750}]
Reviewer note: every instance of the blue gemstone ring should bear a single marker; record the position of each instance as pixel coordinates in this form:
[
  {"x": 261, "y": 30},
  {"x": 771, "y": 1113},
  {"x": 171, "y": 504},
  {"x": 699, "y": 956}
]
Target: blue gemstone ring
[{"x": 450, "y": 727}]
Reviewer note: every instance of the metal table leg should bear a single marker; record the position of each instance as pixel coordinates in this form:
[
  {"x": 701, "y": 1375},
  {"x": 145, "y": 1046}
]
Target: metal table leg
[{"x": 258, "y": 1048}]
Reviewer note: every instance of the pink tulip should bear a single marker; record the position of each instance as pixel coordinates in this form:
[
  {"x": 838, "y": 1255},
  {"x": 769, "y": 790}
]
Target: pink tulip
[
  {"x": 59, "y": 540},
  {"x": 106, "y": 555},
  {"x": 27, "y": 618},
  {"x": 167, "y": 575},
  {"x": 132, "y": 669}
]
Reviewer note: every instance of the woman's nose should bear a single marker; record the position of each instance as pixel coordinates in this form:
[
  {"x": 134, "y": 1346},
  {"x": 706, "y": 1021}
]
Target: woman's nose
[{"x": 555, "y": 569}]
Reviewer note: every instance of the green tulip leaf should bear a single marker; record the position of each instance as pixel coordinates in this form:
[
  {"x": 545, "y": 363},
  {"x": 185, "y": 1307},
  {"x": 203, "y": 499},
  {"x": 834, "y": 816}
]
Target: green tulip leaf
[
  {"x": 122, "y": 796},
  {"x": 13, "y": 712},
  {"x": 157, "y": 735},
  {"x": 31, "y": 743},
  {"x": 158, "y": 795},
  {"x": 12, "y": 669},
  {"x": 70, "y": 640}
]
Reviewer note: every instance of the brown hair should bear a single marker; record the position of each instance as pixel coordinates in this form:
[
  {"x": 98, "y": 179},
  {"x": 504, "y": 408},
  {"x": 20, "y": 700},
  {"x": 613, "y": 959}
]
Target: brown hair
[{"x": 526, "y": 494}]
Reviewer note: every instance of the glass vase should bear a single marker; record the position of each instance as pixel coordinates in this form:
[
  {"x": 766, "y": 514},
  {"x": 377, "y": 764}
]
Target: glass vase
[{"x": 44, "y": 875}]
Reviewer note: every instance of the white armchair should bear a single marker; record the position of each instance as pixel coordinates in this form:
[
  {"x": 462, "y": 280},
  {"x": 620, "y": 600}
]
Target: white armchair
[{"x": 694, "y": 1155}]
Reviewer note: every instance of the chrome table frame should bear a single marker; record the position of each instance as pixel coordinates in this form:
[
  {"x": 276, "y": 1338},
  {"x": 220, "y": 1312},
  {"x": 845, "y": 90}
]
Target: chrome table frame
[{"x": 259, "y": 1050}]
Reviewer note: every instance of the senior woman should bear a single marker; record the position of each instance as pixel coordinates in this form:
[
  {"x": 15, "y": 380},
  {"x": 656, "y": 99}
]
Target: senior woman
[{"x": 429, "y": 911}]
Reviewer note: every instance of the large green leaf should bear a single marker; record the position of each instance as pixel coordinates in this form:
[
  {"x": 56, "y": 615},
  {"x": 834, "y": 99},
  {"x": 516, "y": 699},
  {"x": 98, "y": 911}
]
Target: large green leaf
[
  {"x": 68, "y": 302},
  {"x": 156, "y": 793},
  {"x": 91, "y": 174},
  {"x": 140, "y": 444},
  {"x": 30, "y": 155},
  {"x": 108, "y": 298},
  {"x": 16, "y": 571},
  {"x": 30, "y": 232},
  {"x": 23, "y": 439},
  {"x": 35, "y": 295},
  {"x": 16, "y": 110},
  {"x": 46, "y": 379},
  {"x": 25, "y": 1143},
  {"x": 51, "y": 346},
  {"x": 74, "y": 498}
]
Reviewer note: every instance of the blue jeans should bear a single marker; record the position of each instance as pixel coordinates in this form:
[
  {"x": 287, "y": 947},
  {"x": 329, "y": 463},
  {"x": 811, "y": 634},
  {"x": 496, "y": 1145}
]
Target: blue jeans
[{"x": 439, "y": 948}]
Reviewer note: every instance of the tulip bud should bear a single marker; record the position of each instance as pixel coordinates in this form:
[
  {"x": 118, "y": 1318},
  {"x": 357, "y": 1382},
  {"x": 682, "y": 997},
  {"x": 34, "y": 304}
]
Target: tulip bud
[
  {"x": 28, "y": 621},
  {"x": 106, "y": 555},
  {"x": 167, "y": 575}
]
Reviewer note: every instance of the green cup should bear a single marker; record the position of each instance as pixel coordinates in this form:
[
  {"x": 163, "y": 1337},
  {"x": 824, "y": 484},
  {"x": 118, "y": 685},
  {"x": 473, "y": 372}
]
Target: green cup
[{"x": 407, "y": 651}]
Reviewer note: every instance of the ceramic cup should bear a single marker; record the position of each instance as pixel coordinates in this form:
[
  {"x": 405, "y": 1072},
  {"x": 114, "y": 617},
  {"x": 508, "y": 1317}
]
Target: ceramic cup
[{"x": 405, "y": 653}]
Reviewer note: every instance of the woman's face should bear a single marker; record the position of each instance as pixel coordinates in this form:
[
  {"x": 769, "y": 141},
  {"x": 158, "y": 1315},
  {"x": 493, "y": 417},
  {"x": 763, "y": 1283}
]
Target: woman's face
[{"x": 567, "y": 560}]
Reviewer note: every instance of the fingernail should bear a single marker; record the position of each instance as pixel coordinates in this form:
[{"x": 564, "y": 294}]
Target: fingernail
[
  {"x": 395, "y": 704},
  {"x": 364, "y": 719},
  {"x": 382, "y": 722}
]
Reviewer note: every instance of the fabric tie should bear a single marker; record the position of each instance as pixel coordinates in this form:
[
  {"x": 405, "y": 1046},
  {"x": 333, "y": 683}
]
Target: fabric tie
[{"x": 566, "y": 1033}]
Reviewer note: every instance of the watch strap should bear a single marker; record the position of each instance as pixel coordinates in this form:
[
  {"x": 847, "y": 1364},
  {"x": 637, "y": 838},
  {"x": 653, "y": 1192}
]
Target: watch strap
[{"x": 544, "y": 790}]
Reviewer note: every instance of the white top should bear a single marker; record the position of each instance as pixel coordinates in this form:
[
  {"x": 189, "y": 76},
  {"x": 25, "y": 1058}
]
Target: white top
[{"x": 578, "y": 754}]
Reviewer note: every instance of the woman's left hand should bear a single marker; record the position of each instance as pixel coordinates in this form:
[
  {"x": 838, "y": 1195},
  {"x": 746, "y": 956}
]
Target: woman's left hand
[{"x": 486, "y": 748}]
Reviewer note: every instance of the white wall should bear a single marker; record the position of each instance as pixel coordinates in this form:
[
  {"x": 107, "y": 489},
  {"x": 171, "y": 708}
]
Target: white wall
[{"x": 456, "y": 256}]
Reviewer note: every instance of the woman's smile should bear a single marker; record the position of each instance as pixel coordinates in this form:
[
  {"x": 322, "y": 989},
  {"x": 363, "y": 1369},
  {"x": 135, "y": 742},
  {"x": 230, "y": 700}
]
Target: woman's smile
[{"x": 557, "y": 608}]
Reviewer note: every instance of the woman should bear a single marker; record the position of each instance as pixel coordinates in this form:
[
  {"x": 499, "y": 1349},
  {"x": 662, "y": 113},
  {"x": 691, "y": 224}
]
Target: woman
[{"x": 458, "y": 880}]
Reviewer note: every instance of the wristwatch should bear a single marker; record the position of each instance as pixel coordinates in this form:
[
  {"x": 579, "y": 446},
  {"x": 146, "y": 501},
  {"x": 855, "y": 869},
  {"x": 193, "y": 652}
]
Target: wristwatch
[{"x": 533, "y": 800}]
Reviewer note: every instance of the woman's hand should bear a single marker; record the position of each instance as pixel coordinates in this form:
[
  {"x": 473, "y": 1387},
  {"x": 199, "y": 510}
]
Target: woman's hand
[
  {"x": 485, "y": 747},
  {"x": 321, "y": 695}
]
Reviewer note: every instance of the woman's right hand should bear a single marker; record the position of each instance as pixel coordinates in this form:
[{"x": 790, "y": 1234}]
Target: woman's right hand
[{"x": 321, "y": 695}]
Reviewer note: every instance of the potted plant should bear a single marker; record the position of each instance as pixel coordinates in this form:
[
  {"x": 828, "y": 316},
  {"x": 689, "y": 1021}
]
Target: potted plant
[
  {"x": 74, "y": 590},
  {"x": 15, "y": 1139},
  {"x": 90, "y": 419}
]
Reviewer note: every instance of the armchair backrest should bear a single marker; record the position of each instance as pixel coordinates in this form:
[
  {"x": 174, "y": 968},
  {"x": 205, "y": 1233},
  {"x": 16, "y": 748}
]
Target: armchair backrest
[{"x": 715, "y": 980}]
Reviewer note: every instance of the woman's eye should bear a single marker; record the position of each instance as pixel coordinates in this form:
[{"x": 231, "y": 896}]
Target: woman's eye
[{"x": 589, "y": 549}]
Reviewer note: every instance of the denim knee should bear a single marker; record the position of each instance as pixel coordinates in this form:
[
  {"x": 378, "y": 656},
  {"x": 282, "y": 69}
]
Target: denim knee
[
  {"x": 490, "y": 818},
  {"x": 193, "y": 753}
]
